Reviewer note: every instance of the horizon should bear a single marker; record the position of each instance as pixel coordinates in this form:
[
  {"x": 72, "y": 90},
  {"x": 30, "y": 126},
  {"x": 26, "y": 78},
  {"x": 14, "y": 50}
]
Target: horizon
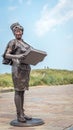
[{"x": 48, "y": 26}]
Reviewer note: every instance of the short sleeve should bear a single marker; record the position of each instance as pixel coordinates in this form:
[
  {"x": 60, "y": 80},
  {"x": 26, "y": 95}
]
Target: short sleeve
[{"x": 10, "y": 46}]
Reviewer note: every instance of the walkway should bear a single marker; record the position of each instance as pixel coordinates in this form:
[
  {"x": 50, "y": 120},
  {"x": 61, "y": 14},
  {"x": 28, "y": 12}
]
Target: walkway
[{"x": 52, "y": 104}]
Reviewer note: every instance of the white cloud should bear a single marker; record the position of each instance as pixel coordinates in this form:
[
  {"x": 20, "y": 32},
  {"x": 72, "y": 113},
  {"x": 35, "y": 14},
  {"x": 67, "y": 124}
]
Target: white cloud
[
  {"x": 28, "y": 2},
  {"x": 61, "y": 13},
  {"x": 12, "y": 8},
  {"x": 70, "y": 36},
  {"x": 20, "y": 1}
]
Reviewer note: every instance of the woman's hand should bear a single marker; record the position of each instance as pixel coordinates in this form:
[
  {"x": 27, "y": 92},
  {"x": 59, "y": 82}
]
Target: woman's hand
[{"x": 10, "y": 56}]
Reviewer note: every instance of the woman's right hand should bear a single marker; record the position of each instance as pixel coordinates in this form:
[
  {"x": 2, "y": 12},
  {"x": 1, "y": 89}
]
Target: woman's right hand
[
  {"x": 20, "y": 56},
  {"x": 11, "y": 56}
]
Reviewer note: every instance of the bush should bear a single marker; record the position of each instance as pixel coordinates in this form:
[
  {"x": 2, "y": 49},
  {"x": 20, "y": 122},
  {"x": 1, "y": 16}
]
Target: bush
[
  {"x": 42, "y": 77},
  {"x": 6, "y": 80}
]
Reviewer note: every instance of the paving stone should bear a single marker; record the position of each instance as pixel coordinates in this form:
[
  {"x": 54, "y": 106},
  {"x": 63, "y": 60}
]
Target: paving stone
[{"x": 54, "y": 105}]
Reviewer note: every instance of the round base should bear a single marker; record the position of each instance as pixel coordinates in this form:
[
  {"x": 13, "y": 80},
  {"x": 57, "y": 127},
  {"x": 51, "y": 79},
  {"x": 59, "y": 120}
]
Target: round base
[{"x": 32, "y": 122}]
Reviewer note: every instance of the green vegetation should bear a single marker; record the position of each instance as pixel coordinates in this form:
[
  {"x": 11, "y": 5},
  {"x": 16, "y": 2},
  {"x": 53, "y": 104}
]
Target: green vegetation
[
  {"x": 51, "y": 77},
  {"x": 6, "y": 80},
  {"x": 42, "y": 77}
]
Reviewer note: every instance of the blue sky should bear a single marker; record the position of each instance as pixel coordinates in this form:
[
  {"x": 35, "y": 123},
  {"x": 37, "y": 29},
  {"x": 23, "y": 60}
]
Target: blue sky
[{"x": 48, "y": 26}]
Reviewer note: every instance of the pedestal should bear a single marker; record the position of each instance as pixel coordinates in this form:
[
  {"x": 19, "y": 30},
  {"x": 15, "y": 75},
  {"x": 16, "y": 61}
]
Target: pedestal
[{"x": 32, "y": 122}]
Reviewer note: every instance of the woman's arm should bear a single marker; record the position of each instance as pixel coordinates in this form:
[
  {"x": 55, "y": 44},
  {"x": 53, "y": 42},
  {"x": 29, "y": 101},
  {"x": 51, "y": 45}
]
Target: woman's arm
[{"x": 8, "y": 55}]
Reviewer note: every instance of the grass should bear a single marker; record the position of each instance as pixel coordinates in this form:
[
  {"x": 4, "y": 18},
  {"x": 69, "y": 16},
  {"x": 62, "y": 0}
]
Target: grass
[
  {"x": 51, "y": 77},
  {"x": 41, "y": 77},
  {"x": 6, "y": 80}
]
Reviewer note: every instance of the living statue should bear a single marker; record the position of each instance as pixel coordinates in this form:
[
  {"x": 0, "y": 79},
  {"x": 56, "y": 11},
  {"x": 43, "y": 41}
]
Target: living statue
[{"x": 20, "y": 71}]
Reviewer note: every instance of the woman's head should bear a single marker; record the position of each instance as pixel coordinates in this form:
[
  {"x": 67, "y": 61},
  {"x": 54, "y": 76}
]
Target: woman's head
[{"x": 17, "y": 30}]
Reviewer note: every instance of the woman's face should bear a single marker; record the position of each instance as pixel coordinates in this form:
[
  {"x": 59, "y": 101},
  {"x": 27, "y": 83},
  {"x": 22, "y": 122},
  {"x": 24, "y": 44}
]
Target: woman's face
[{"x": 18, "y": 33}]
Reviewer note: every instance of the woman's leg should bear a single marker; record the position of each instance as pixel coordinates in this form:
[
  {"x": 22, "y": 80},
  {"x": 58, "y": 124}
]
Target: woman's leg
[
  {"x": 22, "y": 101},
  {"x": 22, "y": 106},
  {"x": 18, "y": 103}
]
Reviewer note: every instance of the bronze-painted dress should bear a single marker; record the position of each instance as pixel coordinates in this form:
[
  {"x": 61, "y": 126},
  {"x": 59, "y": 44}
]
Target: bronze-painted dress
[{"x": 20, "y": 71}]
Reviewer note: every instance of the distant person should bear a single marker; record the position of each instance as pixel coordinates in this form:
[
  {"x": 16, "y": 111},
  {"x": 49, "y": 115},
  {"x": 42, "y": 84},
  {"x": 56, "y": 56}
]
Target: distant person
[{"x": 20, "y": 71}]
